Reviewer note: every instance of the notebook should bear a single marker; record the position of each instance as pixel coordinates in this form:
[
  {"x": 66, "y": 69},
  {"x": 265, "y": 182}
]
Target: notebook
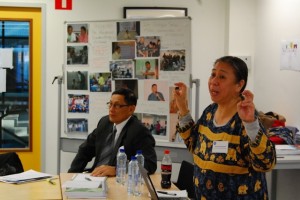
[{"x": 182, "y": 195}]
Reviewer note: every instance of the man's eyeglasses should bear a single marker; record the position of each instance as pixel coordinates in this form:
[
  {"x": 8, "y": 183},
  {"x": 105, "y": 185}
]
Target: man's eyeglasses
[{"x": 116, "y": 106}]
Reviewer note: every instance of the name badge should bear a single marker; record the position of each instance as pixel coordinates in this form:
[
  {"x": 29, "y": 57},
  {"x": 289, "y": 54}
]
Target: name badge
[{"x": 220, "y": 147}]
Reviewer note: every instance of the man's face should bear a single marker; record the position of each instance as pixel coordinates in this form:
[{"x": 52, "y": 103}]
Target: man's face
[
  {"x": 119, "y": 109},
  {"x": 142, "y": 40},
  {"x": 148, "y": 66},
  {"x": 70, "y": 30},
  {"x": 154, "y": 88}
]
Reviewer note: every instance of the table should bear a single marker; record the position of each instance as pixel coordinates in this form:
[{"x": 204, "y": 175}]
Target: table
[
  {"x": 283, "y": 162},
  {"x": 117, "y": 191},
  {"x": 33, "y": 190}
]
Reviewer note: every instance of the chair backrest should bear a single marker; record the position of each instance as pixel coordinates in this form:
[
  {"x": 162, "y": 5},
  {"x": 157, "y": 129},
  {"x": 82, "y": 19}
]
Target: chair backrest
[
  {"x": 185, "y": 178},
  {"x": 10, "y": 163}
]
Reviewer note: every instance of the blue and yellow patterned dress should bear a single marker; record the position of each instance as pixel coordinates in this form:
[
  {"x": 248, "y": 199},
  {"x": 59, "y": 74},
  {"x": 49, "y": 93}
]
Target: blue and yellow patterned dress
[{"x": 237, "y": 174}]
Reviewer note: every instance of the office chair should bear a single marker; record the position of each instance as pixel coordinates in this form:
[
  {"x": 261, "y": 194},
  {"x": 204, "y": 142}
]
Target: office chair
[
  {"x": 10, "y": 163},
  {"x": 185, "y": 178}
]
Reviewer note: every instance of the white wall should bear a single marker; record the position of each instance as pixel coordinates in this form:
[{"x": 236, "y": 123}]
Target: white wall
[
  {"x": 276, "y": 90},
  {"x": 219, "y": 27},
  {"x": 209, "y": 23},
  {"x": 208, "y": 27}
]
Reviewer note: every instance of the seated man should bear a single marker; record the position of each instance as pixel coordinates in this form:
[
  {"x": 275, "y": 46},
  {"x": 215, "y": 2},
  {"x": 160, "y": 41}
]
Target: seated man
[{"x": 130, "y": 133}]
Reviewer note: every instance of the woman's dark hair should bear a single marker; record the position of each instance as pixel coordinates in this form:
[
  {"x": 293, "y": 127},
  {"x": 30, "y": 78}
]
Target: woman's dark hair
[
  {"x": 83, "y": 28},
  {"x": 239, "y": 66},
  {"x": 128, "y": 94}
]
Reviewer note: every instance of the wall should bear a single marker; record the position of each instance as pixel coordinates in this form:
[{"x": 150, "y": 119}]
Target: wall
[
  {"x": 259, "y": 32},
  {"x": 278, "y": 90},
  {"x": 238, "y": 27},
  {"x": 208, "y": 43},
  {"x": 205, "y": 38}
]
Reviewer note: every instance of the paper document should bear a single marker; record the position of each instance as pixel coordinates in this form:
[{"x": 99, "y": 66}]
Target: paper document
[
  {"x": 85, "y": 186},
  {"x": 169, "y": 193},
  {"x": 284, "y": 149},
  {"x": 27, "y": 176},
  {"x": 2, "y": 80},
  {"x": 6, "y": 58}
]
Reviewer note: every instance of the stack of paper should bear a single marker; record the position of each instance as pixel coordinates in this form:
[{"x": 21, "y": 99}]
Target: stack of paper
[
  {"x": 285, "y": 149},
  {"x": 85, "y": 186},
  {"x": 25, "y": 177}
]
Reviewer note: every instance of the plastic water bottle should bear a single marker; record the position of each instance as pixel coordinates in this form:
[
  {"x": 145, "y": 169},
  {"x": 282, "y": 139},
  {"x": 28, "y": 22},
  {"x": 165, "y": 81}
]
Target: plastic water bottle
[
  {"x": 166, "y": 170},
  {"x": 136, "y": 175},
  {"x": 140, "y": 158},
  {"x": 121, "y": 166},
  {"x": 130, "y": 180}
]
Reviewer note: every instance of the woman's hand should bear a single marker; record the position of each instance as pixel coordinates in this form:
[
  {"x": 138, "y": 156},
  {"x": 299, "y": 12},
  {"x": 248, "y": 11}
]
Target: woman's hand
[
  {"x": 180, "y": 97},
  {"x": 246, "y": 108}
]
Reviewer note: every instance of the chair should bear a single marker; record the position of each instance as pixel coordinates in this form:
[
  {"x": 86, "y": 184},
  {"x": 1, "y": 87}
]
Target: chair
[
  {"x": 185, "y": 178},
  {"x": 10, "y": 163}
]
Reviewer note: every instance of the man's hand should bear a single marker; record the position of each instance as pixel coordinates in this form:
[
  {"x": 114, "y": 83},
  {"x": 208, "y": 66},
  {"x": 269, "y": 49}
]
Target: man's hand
[{"x": 104, "y": 170}]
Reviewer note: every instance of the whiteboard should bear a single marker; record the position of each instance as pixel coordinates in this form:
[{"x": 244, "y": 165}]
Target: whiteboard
[{"x": 166, "y": 47}]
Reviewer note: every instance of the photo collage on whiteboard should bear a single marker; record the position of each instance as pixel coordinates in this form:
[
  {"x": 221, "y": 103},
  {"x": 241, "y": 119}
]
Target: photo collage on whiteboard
[{"x": 101, "y": 58}]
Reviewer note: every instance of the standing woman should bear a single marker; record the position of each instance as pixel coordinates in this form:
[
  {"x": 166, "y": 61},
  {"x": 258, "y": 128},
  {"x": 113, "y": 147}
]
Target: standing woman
[{"x": 230, "y": 147}]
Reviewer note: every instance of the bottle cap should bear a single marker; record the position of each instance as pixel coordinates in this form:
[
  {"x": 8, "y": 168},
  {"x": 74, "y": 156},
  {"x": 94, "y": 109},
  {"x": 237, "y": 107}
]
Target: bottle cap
[
  {"x": 139, "y": 152},
  {"x": 167, "y": 151},
  {"x": 122, "y": 150},
  {"x": 133, "y": 158}
]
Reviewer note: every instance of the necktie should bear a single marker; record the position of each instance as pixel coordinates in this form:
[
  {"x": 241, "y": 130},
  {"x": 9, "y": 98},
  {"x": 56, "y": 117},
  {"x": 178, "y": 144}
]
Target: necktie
[{"x": 107, "y": 150}]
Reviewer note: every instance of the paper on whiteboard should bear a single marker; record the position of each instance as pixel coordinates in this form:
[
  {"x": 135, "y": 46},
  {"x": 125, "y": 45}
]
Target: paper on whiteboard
[
  {"x": 6, "y": 58},
  {"x": 2, "y": 80}
]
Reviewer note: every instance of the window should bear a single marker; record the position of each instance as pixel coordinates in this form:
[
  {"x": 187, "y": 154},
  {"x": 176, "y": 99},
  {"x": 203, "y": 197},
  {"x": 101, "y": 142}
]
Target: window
[{"x": 15, "y": 98}]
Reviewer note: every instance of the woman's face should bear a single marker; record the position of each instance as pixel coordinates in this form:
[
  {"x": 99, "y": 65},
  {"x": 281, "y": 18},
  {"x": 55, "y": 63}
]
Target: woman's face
[{"x": 222, "y": 84}]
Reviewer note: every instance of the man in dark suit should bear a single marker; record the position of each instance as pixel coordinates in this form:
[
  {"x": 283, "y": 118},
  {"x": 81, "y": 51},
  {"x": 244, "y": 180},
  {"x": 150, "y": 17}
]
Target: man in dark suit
[{"x": 131, "y": 134}]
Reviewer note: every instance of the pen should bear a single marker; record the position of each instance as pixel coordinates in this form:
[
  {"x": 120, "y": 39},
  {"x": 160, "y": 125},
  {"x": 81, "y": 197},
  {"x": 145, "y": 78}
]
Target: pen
[
  {"x": 50, "y": 180},
  {"x": 74, "y": 176},
  {"x": 168, "y": 193},
  {"x": 87, "y": 178}
]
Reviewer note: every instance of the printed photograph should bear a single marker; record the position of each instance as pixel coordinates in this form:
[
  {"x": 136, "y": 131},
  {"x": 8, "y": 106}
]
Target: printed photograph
[
  {"x": 173, "y": 106},
  {"x": 128, "y": 84},
  {"x": 157, "y": 124},
  {"x": 172, "y": 60},
  {"x": 128, "y": 30},
  {"x": 156, "y": 90},
  {"x": 77, "y": 33},
  {"x": 77, "y": 80},
  {"x": 77, "y": 125},
  {"x": 174, "y": 134},
  {"x": 122, "y": 69},
  {"x": 100, "y": 82},
  {"x": 77, "y": 55},
  {"x": 148, "y": 46},
  {"x": 146, "y": 69},
  {"x": 78, "y": 103},
  {"x": 123, "y": 50}
]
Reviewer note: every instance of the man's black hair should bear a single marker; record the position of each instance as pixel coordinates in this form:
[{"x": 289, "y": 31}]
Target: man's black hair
[{"x": 128, "y": 94}]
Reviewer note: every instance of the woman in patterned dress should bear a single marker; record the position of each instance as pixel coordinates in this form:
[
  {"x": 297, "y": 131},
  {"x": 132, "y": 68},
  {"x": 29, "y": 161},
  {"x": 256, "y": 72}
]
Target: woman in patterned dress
[{"x": 230, "y": 147}]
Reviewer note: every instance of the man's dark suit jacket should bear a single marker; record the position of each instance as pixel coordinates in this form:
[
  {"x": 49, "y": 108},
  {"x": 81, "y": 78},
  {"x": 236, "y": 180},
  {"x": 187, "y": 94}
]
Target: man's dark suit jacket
[{"x": 134, "y": 136}]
